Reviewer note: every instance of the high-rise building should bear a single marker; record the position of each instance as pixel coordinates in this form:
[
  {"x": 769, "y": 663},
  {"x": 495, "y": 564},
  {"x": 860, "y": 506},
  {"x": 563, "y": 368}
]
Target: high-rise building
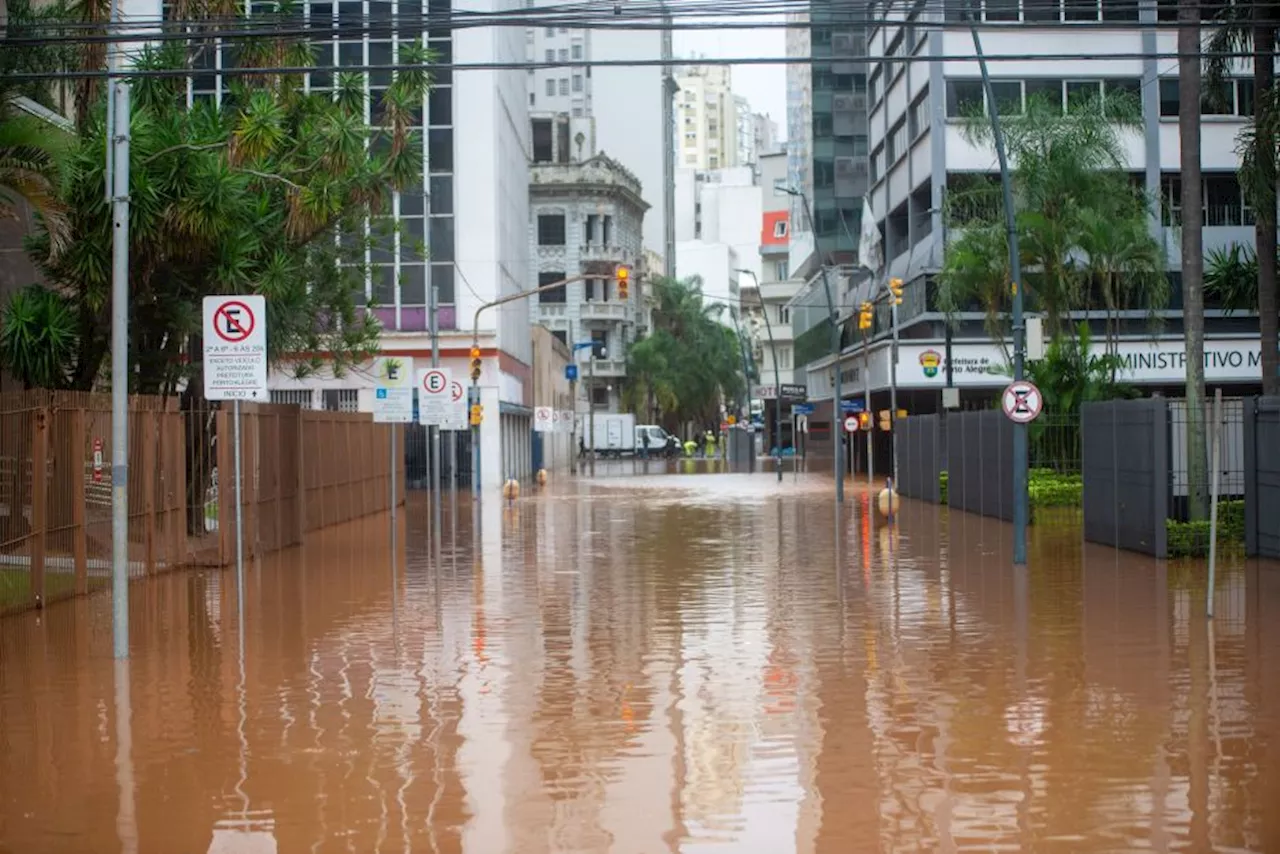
[
  {"x": 827, "y": 123},
  {"x": 707, "y": 117},
  {"x": 470, "y": 207},
  {"x": 625, "y": 101}
]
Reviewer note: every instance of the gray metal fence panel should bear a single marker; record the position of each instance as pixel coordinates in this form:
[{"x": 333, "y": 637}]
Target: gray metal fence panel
[
  {"x": 1125, "y": 463},
  {"x": 979, "y": 463},
  {"x": 919, "y": 457},
  {"x": 1262, "y": 477}
]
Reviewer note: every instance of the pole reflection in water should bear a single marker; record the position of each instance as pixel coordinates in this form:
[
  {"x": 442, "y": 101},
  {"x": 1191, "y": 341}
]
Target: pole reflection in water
[
  {"x": 127, "y": 817},
  {"x": 631, "y": 664}
]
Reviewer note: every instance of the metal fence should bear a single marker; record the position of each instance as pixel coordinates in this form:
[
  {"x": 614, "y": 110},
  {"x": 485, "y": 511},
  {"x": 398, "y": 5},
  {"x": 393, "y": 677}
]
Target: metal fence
[
  {"x": 417, "y": 456},
  {"x": 921, "y": 457},
  {"x": 303, "y": 470},
  {"x": 1125, "y": 453},
  {"x": 1262, "y": 477},
  {"x": 979, "y": 463}
]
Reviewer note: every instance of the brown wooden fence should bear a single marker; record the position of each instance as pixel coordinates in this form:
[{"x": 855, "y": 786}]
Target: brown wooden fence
[{"x": 303, "y": 470}]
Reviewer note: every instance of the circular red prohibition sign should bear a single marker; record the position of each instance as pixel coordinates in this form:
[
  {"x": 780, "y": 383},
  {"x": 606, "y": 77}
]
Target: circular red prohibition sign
[{"x": 229, "y": 324}]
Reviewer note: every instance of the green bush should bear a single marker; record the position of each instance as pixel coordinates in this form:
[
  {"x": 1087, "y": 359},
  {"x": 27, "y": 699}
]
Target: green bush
[
  {"x": 1049, "y": 488},
  {"x": 1191, "y": 539}
]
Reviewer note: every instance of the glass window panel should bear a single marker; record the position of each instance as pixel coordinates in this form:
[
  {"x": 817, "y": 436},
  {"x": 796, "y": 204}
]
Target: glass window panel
[
  {"x": 440, "y": 107},
  {"x": 384, "y": 280},
  {"x": 442, "y": 279},
  {"x": 442, "y": 194},
  {"x": 413, "y": 284},
  {"x": 411, "y": 202},
  {"x": 440, "y": 243},
  {"x": 440, "y": 149}
]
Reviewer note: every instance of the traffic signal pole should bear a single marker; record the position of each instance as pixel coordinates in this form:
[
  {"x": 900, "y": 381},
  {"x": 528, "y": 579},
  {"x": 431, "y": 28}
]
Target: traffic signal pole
[{"x": 473, "y": 391}]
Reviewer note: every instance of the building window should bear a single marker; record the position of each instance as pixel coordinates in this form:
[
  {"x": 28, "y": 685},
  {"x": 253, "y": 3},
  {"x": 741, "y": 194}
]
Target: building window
[
  {"x": 561, "y": 336},
  {"x": 551, "y": 230},
  {"x": 551, "y": 31},
  {"x": 564, "y": 54},
  {"x": 781, "y": 269},
  {"x": 577, "y": 51},
  {"x": 551, "y": 87},
  {"x": 553, "y": 295},
  {"x": 542, "y": 148},
  {"x": 551, "y": 55},
  {"x": 780, "y": 228},
  {"x": 606, "y": 230},
  {"x": 577, "y": 82},
  {"x": 918, "y": 118},
  {"x": 564, "y": 85},
  {"x": 897, "y": 145},
  {"x": 295, "y": 396},
  {"x": 342, "y": 400},
  {"x": 964, "y": 97},
  {"x": 600, "y": 345},
  {"x": 783, "y": 357},
  {"x": 599, "y": 395},
  {"x": 784, "y": 315}
]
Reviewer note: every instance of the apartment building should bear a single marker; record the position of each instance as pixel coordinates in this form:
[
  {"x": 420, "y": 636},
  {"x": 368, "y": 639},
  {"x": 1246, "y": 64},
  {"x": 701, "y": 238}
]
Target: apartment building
[
  {"x": 586, "y": 217},
  {"x": 626, "y": 102},
  {"x": 707, "y": 118}
]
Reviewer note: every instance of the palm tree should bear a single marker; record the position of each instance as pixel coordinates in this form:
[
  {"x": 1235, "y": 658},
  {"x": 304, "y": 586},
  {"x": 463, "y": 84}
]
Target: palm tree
[
  {"x": 1125, "y": 263},
  {"x": 1192, "y": 251},
  {"x": 30, "y": 150},
  {"x": 1238, "y": 27}
]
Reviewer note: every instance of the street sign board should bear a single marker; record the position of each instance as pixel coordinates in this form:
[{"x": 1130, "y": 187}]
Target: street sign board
[
  {"x": 566, "y": 421},
  {"x": 851, "y": 424},
  {"x": 570, "y": 372},
  {"x": 852, "y": 405},
  {"x": 1022, "y": 402},
  {"x": 235, "y": 348},
  {"x": 456, "y": 408},
  {"x": 802, "y": 409},
  {"x": 393, "y": 395},
  {"x": 542, "y": 419},
  {"x": 434, "y": 396}
]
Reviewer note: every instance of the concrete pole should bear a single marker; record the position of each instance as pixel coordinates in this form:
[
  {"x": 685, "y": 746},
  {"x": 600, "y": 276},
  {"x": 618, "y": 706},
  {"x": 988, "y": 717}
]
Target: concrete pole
[
  {"x": 117, "y": 134},
  {"x": 1021, "y": 500},
  {"x": 591, "y": 408},
  {"x": 573, "y": 427}
]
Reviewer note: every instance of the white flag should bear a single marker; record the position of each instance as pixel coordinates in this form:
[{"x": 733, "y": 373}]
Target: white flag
[{"x": 869, "y": 255}]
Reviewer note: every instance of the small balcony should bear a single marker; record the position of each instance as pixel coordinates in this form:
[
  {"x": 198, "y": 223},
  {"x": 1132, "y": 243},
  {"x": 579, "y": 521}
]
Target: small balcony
[
  {"x": 552, "y": 310},
  {"x": 604, "y": 368},
  {"x": 603, "y": 310},
  {"x": 601, "y": 252}
]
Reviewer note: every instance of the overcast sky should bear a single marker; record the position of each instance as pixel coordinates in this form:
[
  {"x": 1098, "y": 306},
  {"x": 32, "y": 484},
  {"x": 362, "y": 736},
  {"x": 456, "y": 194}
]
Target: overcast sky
[{"x": 765, "y": 86}]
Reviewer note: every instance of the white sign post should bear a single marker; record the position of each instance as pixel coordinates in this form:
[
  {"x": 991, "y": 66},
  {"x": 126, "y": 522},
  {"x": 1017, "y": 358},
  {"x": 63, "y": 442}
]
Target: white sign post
[
  {"x": 235, "y": 369},
  {"x": 456, "y": 408},
  {"x": 851, "y": 424},
  {"x": 434, "y": 395},
  {"x": 542, "y": 419},
  {"x": 393, "y": 404}
]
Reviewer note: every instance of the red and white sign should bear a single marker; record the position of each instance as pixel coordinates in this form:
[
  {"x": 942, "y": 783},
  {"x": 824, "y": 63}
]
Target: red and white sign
[
  {"x": 542, "y": 419},
  {"x": 1022, "y": 402},
  {"x": 235, "y": 348},
  {"x": 456, "y": 419},
  {"x": 97, "y": 460},
  {"x": 851, "y": 424},
  {"x": 434, "y": 396}
]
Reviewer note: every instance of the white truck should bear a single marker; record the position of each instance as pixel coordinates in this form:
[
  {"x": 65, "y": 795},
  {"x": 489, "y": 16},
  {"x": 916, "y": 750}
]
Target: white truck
[{"x": 615, "y": 434}]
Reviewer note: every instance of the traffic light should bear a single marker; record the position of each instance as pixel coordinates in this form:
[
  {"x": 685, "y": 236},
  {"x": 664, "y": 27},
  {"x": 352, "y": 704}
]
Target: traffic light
[
  {"x": 895, "y": 288},
  {"x": 475, "y": 364},
  {"x": 886, "y": 422},
  {"x": 864, "y": 421},
  {"x": 864, "y": 316},
  {"x": 477, "y": 414},
  {"x": 623, "y": 275}
]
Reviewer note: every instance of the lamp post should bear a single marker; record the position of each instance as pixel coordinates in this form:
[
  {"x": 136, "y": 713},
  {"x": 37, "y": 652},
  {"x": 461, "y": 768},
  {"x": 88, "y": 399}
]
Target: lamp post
[
  {"x": 837, "y": 441},
  {"x": 744, "y": 406},
  {"x": 777, "y": 377}
]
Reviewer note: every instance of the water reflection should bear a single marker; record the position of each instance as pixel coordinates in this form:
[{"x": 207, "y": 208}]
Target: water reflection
[{"x": 656, "y": 663}]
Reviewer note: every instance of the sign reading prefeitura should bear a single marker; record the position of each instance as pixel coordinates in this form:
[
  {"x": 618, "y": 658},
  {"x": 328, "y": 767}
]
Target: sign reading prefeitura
[{"x": 235, "y": 348}]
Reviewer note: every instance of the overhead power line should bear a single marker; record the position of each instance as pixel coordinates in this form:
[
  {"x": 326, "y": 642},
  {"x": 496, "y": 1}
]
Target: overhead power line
[{"x": 138, "y": 73}]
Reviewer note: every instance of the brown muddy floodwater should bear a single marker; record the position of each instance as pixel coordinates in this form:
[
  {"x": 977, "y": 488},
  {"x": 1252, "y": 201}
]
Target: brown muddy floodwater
[{"x": 680, "y": 663}]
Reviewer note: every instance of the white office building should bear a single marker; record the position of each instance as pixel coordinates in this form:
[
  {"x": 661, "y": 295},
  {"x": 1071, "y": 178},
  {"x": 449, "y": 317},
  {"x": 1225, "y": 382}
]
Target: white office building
[{"x": 626, "y": 102}]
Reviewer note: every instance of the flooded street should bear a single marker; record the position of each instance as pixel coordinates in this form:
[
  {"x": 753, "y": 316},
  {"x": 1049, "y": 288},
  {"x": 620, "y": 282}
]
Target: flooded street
[{"x": 664, "y": 663}]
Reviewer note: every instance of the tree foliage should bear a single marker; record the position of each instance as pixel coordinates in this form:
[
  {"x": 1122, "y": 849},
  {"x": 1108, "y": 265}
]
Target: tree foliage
[
  {"x": 249, "y": 196},
  {"x": 689, "y": 363},
  {"x": 1082, "y": 224}
]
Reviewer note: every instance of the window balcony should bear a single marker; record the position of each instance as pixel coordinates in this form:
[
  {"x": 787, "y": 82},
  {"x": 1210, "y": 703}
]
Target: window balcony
[{"x": 604, "y": 310}]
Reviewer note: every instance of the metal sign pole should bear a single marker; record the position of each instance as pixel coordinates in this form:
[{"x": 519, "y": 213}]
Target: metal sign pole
[
  {"x": 435, "y": 429},
  {"x": 235, "y": 406},
  {"x": 393, "y": 502}
]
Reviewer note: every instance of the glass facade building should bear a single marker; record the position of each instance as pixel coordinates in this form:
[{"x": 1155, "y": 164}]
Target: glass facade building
[{"x": 421, "y": 216}]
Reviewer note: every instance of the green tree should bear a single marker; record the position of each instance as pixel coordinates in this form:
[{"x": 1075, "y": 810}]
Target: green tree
[
  {"x": 689, "y": 364},
  {"x": 1082, "y": 225}
]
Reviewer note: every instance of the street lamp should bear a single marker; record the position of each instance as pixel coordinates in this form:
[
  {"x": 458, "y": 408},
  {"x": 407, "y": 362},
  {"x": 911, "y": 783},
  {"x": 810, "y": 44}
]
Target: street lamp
[
  {"x": 777, "y": 377},
  {"x": 837, "y": 441},
  {"x": 745, "y": 407}
]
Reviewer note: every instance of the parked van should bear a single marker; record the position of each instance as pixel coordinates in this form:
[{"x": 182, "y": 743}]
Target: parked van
[{"x": 659, "y": 439}]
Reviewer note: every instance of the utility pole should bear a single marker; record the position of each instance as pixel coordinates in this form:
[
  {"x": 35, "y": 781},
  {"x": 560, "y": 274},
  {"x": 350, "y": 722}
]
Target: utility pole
[
  {"x": 837, "y": 440},
  {"x": 1020, "y": 497},
  {"x": 777, "y": 379},
  {"x": 591, "y": 406},
  {"x": 573, "y": 426},
  {"x": 117, "y": 191},
  {"x": 434, "y": 430},
  {"x": 668, "y": 150},
  {"x": 473, "y": 391}
]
